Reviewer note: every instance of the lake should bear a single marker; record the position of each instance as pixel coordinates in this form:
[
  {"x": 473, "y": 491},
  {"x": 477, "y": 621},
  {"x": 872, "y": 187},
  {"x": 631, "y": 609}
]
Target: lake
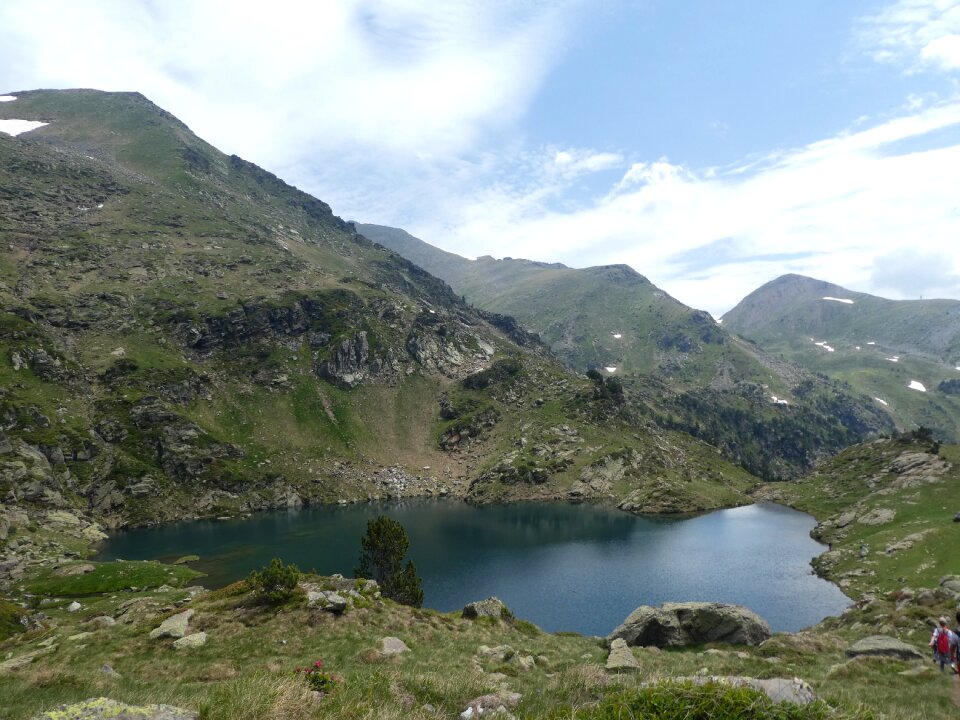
[{"x": 564, "y": 567}]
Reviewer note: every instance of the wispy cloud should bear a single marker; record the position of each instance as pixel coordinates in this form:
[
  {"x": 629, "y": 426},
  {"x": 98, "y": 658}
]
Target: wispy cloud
[
  {"x": 919, "y": 34},
  {"x": 828, "y": 209},
  {"x": 277, "y": 83}
]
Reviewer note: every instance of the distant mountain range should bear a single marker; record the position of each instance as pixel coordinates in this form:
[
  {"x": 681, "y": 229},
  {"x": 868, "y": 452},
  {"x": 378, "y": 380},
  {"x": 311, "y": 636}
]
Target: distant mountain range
[
  {"x": 903, "y": 353},
  {"x": 688, "y": 371}
]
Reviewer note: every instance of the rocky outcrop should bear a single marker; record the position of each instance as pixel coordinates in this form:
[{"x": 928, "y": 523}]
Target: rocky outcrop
[
  {"x": 390, "y": 646},
  {"x": 621, "y": 657},
  {"x": 884, "y": 646},
  {"x": 103, "y": 708},
  {"x": 692, "y": 623},
  {"x": 174, "y": 626},
  {"x": 191, "y": 641},
  {"x": 492, "y": 607},
  {"x": 348, "y": 364},
  {"x": 780, "y": 690}
]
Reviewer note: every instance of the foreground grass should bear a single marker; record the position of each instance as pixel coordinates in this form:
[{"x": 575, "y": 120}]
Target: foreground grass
[{"x": 246, "y": 669}]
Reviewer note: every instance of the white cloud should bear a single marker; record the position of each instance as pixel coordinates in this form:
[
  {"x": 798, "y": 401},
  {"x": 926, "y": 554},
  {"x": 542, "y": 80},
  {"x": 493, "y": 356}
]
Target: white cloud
[
  {"x": 387, "y": 76},
  {"x": 915, "y": 33},
  {"x": 709, "y": 237}
]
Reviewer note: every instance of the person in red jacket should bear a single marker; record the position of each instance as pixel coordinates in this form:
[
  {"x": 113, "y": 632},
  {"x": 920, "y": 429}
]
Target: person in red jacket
[{"x": 944, "y": 644}]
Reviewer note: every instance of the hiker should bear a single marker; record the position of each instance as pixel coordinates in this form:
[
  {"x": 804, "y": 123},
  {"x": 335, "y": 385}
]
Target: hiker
[
  {"x": 956, "y": 650},
  {"x": 944, "y": 644}
]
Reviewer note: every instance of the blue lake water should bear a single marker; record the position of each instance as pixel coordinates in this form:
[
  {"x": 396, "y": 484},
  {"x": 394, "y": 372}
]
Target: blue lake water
[{"x": 564, "y": 567}]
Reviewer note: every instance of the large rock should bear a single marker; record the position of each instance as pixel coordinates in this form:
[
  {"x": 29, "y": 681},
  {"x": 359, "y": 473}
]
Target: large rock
[
  {"x": 621, "y": 657},
  {"x": 692, "y": 623},
  {"x": 884, "y": 646},
  {"x": 328, "y": 600},
  {"x": 102, "y": 708},
  {"x": 491, "y": 607},
  {"x": 174, "y": 626},
  {"x": 390, "y": 646},
  {"x": 191, "y": 641}
]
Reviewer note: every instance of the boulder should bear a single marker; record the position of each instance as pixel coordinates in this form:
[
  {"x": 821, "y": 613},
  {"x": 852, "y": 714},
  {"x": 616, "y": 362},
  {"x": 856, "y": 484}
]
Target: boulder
[
  {"x": 174, "y": 626},
  {"x": 497, "y": 654},
  {"x": 692, "y": 623},
  {"x": 102, "y": 708},
  {"x": 494, "y": 705},
  {"x": 884, "y": 646},
  {"x": 877, "y": 516},
  {"x": 491, "y": 607},
  {"x": 390, "y": 646},
  {"x": 621, "y": 657},
  {"x": 951, "y": 585},
  {"x": 102, "y": 621},
  {"x": 68, "y": 570},
  {"x": 191, "y": 641},
  {"x": 328, "y": 600},
  {"x": 74, "y": 607}
]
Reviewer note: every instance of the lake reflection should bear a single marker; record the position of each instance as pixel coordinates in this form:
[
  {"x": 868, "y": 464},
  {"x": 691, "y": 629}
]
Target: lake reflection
[{"x": 564, "y": 567}]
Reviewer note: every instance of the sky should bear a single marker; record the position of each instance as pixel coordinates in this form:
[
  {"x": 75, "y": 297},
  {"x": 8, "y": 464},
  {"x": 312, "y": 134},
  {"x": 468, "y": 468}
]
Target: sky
[{"x": 712, "y": 146}]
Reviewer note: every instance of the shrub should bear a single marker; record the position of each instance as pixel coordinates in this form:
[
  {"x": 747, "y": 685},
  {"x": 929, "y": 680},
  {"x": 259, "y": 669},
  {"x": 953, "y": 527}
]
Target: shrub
[
  {"x": 276, "y": 583},
  {"x": 319, "y": 679}
]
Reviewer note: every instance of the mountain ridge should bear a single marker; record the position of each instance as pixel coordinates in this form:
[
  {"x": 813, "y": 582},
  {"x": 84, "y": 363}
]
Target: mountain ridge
[
  {"x": 886, "y": 349},
  {"x": 184, "y": 334},
  {"x": 690, "y": 372}
]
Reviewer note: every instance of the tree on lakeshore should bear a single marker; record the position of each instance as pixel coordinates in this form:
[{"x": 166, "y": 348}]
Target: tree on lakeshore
[{"x": 382, "y": 550}]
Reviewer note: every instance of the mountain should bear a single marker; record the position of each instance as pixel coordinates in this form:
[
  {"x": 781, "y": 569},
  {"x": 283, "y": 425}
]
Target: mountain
[
  {"x": 685, "y": 370},
  {"x": 607, "y": 316},
  {"x": 183, "y": 334},
  {"x": 886, "y": 349}
]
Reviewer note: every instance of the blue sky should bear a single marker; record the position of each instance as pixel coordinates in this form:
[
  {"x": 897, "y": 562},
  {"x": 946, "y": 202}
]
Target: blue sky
[{"x": 710, "y": 145}]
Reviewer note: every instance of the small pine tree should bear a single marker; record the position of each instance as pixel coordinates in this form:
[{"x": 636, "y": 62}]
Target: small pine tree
[
  {"x": 382, "y": 550},
  {"x": 406, "y": 588},
  {"x": 276, "y": 583}
]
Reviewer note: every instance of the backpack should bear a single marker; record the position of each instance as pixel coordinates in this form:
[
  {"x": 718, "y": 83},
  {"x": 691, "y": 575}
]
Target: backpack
[{"x": 943, "y": 642}]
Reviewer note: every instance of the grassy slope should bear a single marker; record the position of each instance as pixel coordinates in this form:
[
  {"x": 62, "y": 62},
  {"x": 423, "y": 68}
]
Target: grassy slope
[
  {"x": 191, "y": 242},
  {"x": 245, "y": 670},
  {"x": 689, "y": 373},
  {"x": 786, "y": 315}
]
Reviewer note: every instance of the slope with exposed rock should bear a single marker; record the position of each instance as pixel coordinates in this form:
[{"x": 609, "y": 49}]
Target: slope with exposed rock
[
  {"x": 905, "y": 354},
  {"x": 682, "y": 369},
  {"x": 183, "y": 334}
]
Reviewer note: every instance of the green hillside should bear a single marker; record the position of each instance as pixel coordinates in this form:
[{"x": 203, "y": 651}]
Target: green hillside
[
  {"x": 681, "y": 368},
  {"x": 183, "y": 334},
  {"x": 886, "y": 349}
]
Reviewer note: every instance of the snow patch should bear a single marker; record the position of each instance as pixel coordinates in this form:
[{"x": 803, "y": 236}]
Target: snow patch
[
  {"x": 610, "y": 368},
  {"x": 871, "y": 343},
  {"x": 845, "y": 301},
  {"x": 823, "y": 344},
  {"x": 881, "y": 401},
  {"x": 616, "y": 336},
  {"x": 895, "y": 358},
  {"x": 7, "y": 98},
  {"x": 914, "y": 385},
  {"x": 856, "y": 347},
  {"x": 16, "y": 127},
  {"x": 778, "y": 401}
]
